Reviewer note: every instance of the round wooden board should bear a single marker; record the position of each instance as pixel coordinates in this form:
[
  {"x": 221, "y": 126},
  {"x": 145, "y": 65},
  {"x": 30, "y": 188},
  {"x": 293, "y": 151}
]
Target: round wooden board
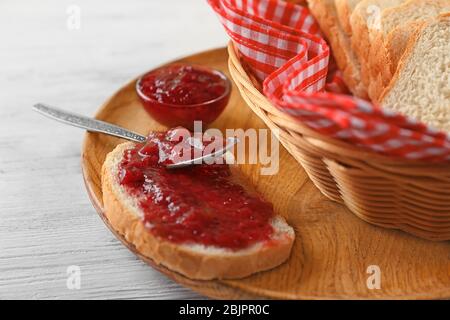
[{"x": 333, "y": 248}]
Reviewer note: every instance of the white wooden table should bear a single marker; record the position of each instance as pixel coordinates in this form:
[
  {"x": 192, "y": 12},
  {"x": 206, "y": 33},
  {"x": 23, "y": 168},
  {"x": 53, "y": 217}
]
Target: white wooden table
[{"x": 46, "y": 220}]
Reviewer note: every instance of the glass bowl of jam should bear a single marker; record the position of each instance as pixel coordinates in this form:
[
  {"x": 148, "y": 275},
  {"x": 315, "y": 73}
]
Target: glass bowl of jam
[{"x": 179, "y": 94}]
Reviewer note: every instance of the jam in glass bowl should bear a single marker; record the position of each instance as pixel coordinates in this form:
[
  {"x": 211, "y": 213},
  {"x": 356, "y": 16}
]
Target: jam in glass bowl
[{"x": 179, "y": 94}]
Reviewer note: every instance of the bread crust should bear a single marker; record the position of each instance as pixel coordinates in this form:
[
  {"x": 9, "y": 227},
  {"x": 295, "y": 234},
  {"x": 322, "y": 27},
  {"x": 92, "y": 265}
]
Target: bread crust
[
  {"x": 344, "y": 9},
  {"x": 361, "y": 34},
  {"x": 402, "y": 63},
  {"x": 397, "y": 41},
  {"x": 385, "y": 60},
  {"x": 182, "y": 258},
  {"x": 360, "y": 39},
  {"x": 325, "y": 13}
]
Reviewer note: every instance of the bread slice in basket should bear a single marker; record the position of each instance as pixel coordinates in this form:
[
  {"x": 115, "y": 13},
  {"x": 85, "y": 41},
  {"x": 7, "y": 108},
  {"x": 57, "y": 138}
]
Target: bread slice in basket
[
  {"x": 388, "y": 42},
  {"x": 344, "y": 9},
  {"x": 193, "y": 260},
  {"x": 420, "y": 87},
  {"x": 325, "y": 13},
  {"x": 364, "y": 19}
]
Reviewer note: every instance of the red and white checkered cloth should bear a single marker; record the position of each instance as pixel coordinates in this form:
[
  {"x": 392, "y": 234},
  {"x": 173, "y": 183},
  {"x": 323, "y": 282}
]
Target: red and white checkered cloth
[{"x": 282, "y": 46}]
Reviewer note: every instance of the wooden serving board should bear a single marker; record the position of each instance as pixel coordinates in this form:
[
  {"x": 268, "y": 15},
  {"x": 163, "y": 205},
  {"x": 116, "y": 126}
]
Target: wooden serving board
[{"x": 333, "y": 248}]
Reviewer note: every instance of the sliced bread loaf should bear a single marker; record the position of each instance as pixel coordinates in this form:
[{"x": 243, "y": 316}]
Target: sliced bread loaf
[
  {"x": 325, "y": 13},
  {"x": 195, "y": 261},
  {"x": 388, "y": 42},
  {"x": 420, "y": 87}
]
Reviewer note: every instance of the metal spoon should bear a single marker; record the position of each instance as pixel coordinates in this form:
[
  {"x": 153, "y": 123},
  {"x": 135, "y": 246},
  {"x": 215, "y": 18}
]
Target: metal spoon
[{"x": 93, "y": 125}]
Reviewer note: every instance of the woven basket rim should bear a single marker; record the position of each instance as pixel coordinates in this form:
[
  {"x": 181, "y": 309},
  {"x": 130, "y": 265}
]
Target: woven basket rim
[{"x": 332, "y": 145}]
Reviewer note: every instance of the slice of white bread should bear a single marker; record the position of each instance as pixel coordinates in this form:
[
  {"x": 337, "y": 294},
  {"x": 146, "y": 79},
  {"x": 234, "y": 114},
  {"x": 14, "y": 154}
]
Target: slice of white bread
[
  {"x": 195, "y": 261},
  {"x": 388, "y": 42},
  {"x": 325, "y": 13},
  {"x": 344, "y": 9},
  {"x": 420, "y": 87},
  {"x": 364, "y": 18}
]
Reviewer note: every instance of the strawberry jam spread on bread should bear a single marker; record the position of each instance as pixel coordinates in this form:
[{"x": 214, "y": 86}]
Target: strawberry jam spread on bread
[{"x": 201, "y": 204}]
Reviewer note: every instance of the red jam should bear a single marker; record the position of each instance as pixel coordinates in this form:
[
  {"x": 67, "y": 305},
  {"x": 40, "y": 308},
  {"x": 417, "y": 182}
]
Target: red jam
[
  {"x": 201, "y": 204},
  {"x": 182, "y": 85},
  {"x": 177, "y": 95}
]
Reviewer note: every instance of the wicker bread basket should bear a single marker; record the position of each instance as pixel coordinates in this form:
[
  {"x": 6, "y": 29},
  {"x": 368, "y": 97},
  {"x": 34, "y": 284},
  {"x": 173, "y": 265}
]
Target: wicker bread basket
[{"x": 406, "y": 195}]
